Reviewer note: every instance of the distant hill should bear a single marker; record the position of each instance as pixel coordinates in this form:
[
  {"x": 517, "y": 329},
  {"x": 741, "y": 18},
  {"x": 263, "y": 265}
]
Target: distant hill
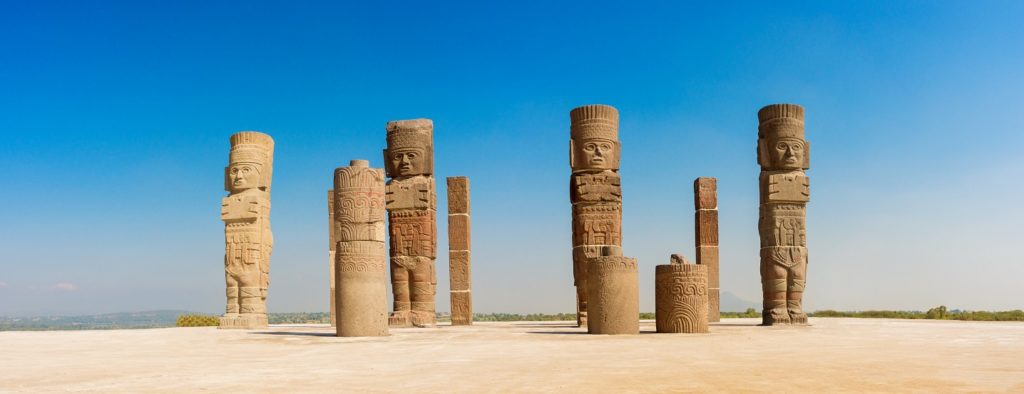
[{"x": 731, "y": 303}]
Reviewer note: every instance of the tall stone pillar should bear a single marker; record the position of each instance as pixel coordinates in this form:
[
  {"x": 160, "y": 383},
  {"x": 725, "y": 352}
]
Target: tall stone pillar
[
  {"x": 332, "y": 241},
  {"x": 784, "y": 154},
  {"x": 594, "y": 191},
  {"x": 681, "y": 297},
  {"x": 361, "y": 295},
  {"x": 458, "y": 251},
  {"x": 614, "y": 296},
  {"x": 412, "y": 215},
  {"x": 248, "y": 241},
  {"x": 705, "y": 193}
]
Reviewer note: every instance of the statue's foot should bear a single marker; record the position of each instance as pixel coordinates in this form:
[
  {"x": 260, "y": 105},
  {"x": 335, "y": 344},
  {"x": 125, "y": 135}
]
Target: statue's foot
[
  {"x": 581, "y": 319},
  {"x": 423, "y": 319},
  {"x": 400, "y": 319},
  {"x": 796, "y": 314},
  {"x": 775, "y": 316}
]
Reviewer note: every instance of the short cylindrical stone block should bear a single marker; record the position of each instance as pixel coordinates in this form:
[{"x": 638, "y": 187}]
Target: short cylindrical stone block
[
  {"x": 681, "y": 298},
  {"x": 613, "y": 296}
]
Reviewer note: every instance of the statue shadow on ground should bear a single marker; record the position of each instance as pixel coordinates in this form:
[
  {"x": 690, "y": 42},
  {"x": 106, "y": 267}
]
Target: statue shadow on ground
[
  {"x": 585, "y": 333},
  {"x": 540, "y": 325},
  {"x": 306, "y": 334}
]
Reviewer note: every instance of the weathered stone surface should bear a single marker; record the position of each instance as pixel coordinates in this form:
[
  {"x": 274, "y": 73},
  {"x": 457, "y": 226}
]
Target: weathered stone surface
[
  {"x": 248, "y": 240},
  {"x": 411, "y": 202},
  {"x": 614, "y": 298},
  {"x": 361, "y": 299},
  {"x": 705, "y": 193},
  {"x": 458, "y": 251},
  {"x": 595, "y": 191},
  {"x": 783, "y": 154},
  {"x": 681, "y": 298},
  {"x": 458, "y": 194},
  {"x": 458, "y": 232},
  {"x": 706, "y": 221},
  {"x": 707, "y": 256},
  {"x": 462, "y": 308},
  {"x": 459, "y": 270}
]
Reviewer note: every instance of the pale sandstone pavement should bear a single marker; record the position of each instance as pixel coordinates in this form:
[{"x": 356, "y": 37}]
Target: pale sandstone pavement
[{"x": 737, "y": 356}]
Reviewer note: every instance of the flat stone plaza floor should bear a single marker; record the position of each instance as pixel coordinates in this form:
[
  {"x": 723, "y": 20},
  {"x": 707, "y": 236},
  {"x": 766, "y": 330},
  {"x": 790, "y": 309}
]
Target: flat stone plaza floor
[{"x": 737, "y": 356}]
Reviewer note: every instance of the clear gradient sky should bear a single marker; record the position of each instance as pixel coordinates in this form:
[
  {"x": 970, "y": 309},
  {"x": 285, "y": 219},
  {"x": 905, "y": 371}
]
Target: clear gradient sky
[{"x": 115, "y": 117}]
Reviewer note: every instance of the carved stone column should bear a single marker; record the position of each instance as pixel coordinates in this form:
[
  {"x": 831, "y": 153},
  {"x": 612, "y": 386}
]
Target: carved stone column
[
  {"x": 613, "y": 295},
  {"x": 784, "y": 154},
  {"x": 458, "y": 251},
  {"x": 705, "y": 193},
  {"x": 332, "y": 241},
  {"x": 361, "y": 296},
  {"x": 412, "y": 215},
  {"x": 681, "y": 297},
  {"x": 248, "y": 240},
  {"x": 595, "y": 192}
]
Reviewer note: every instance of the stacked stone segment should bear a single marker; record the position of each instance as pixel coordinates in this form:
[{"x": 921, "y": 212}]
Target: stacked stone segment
[
  {"x": 783, "y": 154},
  {"x": 681, "y": 297},
  {"x": 595, "y": 192},
  {"x": 248, "y": 239},
  {"x": 361, "y": 299},
  {"x": 459, "y": 245},
  {"x": 705, "y": 198}
]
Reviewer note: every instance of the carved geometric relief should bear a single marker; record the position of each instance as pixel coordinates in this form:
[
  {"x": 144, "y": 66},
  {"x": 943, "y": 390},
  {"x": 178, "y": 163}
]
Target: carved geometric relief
[
  {"x": 598, "y": 224},
  {"x": 599, "y": 187},
  {"x": 355, "y": 231},
  {"x": 783, "y": 225},
  {"x": 412, "y": 193},
  {"x": 413, "y": 233},
  {"x": 681, "y": 298},
  {"x": 786, "y": 187}
]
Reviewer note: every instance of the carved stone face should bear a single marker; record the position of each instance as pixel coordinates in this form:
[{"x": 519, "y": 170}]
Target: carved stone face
[
  {"x": 408, "y": 161},
  {"x": 596, "y": 153},
  {"x": 787, "y": 153},
  {"x": 243, "y": 176}
]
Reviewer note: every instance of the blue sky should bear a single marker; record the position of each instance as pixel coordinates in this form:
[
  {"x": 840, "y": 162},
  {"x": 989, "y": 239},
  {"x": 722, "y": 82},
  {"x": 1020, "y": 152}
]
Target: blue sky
[{"x": 115, "y": 117}]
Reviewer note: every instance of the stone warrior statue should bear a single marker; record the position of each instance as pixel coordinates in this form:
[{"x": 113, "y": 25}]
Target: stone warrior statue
[
  {"x": 595, "y": 192},
  {"x": 248, "y": 241},
  {"x": 783, "y": 154},
  {"x": 412, "y": 214}
]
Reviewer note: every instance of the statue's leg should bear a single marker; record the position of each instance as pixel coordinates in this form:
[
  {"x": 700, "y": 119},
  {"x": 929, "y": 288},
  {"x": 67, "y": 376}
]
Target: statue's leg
[
  {"x": 422, "y": 289},
  {"x": 579, "y": 273},
  {"x": 400, "y": 289},
  {"x": 232, "y": 293},
  {"x": 773, "y": 286},
  {"x": 795, "y": 287}
]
